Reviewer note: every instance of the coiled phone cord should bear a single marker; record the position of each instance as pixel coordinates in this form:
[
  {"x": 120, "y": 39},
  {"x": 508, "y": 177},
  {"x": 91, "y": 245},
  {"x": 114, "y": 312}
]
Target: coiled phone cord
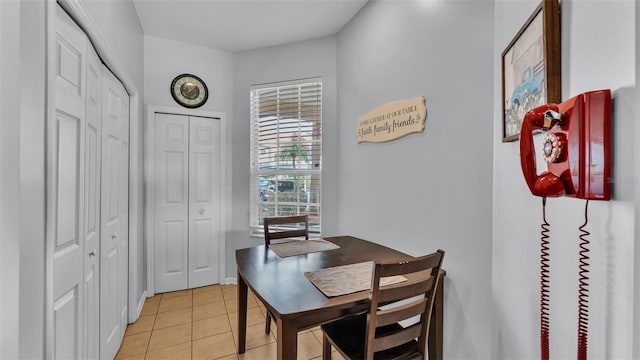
[
  {"x": 544, "y": 285},
  {"x": 583, "y": 289}
]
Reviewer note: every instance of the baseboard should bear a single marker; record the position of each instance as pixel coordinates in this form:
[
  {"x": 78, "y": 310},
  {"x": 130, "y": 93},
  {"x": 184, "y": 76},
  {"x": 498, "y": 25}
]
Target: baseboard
[
  {"x": 141, "y": 304},
  {"x": 230, "y": 281}
]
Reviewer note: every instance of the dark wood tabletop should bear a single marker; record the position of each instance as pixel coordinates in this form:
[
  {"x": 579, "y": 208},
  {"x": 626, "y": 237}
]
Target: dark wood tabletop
[{"x": 297, "y": 304}]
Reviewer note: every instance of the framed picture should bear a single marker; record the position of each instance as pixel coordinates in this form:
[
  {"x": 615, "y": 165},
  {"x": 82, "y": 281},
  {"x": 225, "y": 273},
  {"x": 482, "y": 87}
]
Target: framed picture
[{"x": 531, "y": 68}]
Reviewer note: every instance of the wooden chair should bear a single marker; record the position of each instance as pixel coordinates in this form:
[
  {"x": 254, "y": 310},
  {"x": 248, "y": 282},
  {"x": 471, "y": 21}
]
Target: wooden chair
[
  {"x": 283, "y": 232},
  {"x": 378, "y": 333}
]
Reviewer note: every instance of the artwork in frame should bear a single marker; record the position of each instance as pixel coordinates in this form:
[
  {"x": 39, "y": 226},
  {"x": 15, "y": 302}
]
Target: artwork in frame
[{"x": 531, "y": 68}]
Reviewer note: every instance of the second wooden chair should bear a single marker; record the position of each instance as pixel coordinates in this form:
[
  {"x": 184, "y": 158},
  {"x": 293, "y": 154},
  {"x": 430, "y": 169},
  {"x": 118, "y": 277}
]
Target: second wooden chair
[
  {"x": 284, "y": 227},
  {"x": 379, "y": 332}
]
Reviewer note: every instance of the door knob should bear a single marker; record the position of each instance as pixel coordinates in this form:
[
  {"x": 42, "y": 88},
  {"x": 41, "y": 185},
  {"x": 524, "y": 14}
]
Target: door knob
[
  {"x": 93, "y": 253},
  {"x": 202, "y": 211},
  {"x": 114, "y": 236}
]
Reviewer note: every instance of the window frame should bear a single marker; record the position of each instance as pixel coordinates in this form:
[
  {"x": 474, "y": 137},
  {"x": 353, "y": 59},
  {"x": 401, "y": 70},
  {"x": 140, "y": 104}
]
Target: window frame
[{"x": 313, "y": 174}]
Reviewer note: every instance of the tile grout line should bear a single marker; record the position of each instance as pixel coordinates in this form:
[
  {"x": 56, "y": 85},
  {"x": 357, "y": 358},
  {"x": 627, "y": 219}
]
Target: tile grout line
[
  {"x": 233, "y": 338},
  {"x": 155, "y": 317}
]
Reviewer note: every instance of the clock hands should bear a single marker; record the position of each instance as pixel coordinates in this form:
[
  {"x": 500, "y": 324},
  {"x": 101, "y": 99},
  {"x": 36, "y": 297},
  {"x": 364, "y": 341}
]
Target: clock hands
[{"x": 189, "y": 90}]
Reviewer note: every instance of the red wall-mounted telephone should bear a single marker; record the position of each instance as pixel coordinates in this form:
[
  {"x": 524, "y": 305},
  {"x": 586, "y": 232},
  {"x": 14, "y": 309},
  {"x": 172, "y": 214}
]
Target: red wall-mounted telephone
[{"x": 577, "y": 147}]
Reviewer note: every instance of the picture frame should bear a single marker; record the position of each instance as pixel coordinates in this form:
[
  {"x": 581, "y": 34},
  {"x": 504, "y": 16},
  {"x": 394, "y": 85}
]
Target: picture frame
[{"x": 531, "y": 68}]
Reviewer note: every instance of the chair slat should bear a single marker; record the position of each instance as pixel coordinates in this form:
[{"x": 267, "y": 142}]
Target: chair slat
[
  {"x": 399, "y": 313},
  {"x": 393, "y": 293},
  {"x": 286, "y": 219},
  {"x": 406, "y": 267},
  {"x": 397, "y": 338},
  {"x": 287, "y": 234}
]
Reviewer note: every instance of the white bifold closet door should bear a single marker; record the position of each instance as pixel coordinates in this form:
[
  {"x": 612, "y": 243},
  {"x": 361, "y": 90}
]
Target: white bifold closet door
[
  {"x": 187, "y": 201},
  {"x": 114, "y": 217},
  {"x": 87, "y": 202},
  {"x": 65, "y": 192},
  {"x": 93, "y": 160}
]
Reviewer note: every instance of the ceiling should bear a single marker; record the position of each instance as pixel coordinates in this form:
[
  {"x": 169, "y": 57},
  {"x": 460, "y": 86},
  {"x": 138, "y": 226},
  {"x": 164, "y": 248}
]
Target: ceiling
[{"x": 236, "y": 25}]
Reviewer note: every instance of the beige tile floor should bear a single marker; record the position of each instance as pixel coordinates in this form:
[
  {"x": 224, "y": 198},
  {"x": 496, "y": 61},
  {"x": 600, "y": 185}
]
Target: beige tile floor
[{"x": 202, "y": 324}]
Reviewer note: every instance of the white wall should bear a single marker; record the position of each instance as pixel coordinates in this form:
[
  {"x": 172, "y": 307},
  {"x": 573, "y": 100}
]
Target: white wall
[
  {"x": 22, "y": 179},
  {"x": 313, "y": 58},
  {"x": 598, "y": 51},
  {"x": 636, "y": 310},
  {"x": 9, "y": 178},
  {"x": 166, "y": 59},
  {"x": 429, "y": 190},
  {"x": 32, "y": 174}
]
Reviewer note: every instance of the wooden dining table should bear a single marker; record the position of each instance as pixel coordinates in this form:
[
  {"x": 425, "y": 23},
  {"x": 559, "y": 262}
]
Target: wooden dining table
[{"x": 296, "y": 304}]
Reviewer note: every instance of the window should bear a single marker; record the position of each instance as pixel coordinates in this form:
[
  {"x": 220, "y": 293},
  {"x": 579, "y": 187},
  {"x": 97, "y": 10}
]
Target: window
[{"x": 286, "y": 152}]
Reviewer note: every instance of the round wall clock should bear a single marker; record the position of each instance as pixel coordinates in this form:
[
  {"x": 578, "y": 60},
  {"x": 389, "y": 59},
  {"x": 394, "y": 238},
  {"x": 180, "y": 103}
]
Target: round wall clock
[{"x": 189, "y": 91}]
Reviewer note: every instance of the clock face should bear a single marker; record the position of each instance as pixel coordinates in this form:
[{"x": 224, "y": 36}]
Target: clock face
[{"x": 189, "y": 91}]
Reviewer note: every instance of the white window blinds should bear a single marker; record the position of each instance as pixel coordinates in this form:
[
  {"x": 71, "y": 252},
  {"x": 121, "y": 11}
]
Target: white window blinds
[{"x": 286, "y": 152}]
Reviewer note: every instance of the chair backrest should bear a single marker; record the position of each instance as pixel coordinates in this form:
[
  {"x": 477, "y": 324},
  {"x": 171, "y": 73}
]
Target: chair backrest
[
  {"x": 283, "y": 231},
  {"x": 415, "y": 298}
]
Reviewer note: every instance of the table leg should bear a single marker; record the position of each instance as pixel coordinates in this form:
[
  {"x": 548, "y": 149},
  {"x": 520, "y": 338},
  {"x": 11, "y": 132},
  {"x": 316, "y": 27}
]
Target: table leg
[
  {"x": 436, "y": 330},
  {"x": 287, "y": 339},
  {"x": 242, "y": 314}
]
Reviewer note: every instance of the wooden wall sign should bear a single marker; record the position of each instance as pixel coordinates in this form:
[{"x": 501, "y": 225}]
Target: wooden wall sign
[{"x": 392, "y": 120}]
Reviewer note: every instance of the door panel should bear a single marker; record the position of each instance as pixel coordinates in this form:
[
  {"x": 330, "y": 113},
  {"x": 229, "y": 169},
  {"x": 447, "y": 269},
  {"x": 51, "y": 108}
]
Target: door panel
[
  {"x": 68, "y": 182},
  {"x": 114, "y": 214},
  {"x": 66, "y": 198},
  {"x": 174, "y": 250},
  {"x": 65, "y": 318},
  {"x": 109, "y": 319},
  {"x": 93, "y": 139},
  {"x": 123, "y": 211},
  {"x": 202, "y": 237},
  {"x": 202, "y": 189},
  {"x": 175, "y": 162},
  {"x": 171, "y": 198},
  {"x": 204, "y": 200}
]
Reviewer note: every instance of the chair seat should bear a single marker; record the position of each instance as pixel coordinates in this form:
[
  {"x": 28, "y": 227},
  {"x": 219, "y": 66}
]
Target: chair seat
[{"x": 348, "y": 335}]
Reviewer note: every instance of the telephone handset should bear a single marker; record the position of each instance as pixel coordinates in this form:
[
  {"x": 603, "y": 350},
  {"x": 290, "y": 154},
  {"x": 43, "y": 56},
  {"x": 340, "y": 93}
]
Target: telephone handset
[
  {"x": 577, "y": 150},
  {"x": 577, "y": 147}
]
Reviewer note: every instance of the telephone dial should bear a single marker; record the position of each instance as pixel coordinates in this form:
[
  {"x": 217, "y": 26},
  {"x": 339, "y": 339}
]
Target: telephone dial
[{"x": 577, "y": 150}]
